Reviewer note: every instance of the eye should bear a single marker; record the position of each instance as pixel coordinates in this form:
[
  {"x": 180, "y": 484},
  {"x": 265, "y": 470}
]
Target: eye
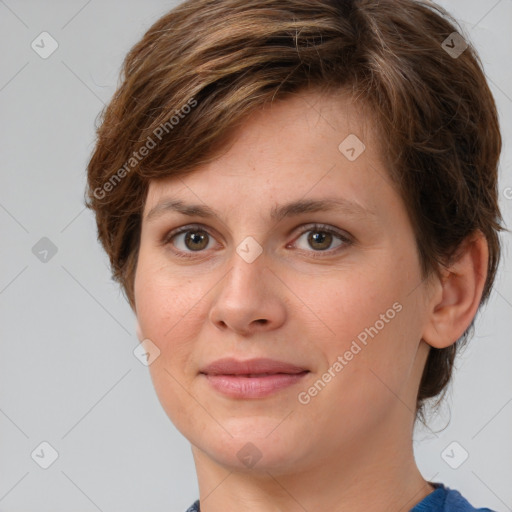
[
  {"x": 321, "y": 238},
  {"x": 188, "y": 239}
]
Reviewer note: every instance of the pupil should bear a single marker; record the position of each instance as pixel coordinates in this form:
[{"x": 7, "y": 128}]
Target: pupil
[
  {"x": 319, "y": 237},
  {"x": 195, "y": 238}
]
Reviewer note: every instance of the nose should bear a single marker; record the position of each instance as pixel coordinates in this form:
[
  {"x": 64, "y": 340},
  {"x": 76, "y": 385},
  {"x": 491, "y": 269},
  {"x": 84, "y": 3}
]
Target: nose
[{"x": 250, "y": 298}]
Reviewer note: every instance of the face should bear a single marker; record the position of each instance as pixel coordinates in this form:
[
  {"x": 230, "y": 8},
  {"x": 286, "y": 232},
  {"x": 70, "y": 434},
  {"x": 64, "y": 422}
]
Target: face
[{"x": 332, "y": 294}]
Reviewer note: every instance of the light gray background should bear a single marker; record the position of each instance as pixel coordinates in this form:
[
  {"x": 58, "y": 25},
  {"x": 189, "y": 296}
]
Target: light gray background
[{"x": 67, "y": 372}]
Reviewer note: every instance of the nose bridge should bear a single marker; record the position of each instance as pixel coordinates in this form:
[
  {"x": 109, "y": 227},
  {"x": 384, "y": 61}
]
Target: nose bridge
[
  {"x": 246, "y": 298},
  {"x": 248, "y": 263}
]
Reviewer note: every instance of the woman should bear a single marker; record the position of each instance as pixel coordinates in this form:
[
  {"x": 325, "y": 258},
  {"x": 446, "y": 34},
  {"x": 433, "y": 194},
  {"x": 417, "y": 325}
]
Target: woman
[{"x": 299, "y": 200}]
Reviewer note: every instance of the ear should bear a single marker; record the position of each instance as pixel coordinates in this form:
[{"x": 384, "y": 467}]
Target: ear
[{"x": 458, "y": 293}]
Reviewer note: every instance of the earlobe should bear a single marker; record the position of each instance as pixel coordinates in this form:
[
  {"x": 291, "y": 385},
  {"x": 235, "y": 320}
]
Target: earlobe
[{"x": 462, "y": 283}]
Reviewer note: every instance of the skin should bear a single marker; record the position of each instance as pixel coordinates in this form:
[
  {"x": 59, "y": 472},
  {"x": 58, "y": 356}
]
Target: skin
[{"x": 350, "y": 447}]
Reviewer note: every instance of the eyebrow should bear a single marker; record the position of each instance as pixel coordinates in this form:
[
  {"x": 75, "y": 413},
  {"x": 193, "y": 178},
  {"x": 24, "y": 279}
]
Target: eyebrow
[{"x": 277, "y": 213}]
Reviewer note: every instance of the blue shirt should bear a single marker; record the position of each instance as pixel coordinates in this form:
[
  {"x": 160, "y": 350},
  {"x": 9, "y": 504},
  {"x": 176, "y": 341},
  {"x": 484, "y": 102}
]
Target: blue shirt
[{"x": 443, "y": 499}]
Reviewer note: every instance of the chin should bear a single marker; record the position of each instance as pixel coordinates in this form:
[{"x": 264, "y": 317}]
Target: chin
[{"x": 255, "y": 445}]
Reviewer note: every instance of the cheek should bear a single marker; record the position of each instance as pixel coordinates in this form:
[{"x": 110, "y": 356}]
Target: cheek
[
  {"x": 347, "y": 302},
  {"x": 169, "y": 309},
  {"x": 374, "y": 328},
  {"x": 370, "y": 318}
]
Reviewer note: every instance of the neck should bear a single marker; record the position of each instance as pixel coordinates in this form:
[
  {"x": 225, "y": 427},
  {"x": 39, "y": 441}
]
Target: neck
[{"x": 376, "y": 473}]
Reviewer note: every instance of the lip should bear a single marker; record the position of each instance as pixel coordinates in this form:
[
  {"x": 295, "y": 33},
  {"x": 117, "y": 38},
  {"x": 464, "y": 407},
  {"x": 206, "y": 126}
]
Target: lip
[
  {"x": 253, "y": 378},
  {"x": 231, "y": 366}
]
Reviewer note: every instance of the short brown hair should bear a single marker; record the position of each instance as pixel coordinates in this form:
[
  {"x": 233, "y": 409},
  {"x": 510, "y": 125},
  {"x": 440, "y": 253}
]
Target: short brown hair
[{"x": 204, "y": 66}]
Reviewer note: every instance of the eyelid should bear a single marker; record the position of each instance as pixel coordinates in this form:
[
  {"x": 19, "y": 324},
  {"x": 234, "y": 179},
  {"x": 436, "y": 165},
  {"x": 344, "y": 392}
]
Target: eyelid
[
  {"x": 346, "y": 240},
  {"x": 168, "y": 236},
  {"x": 183, "y": 229},
  {"x": 343, "y": 235}
]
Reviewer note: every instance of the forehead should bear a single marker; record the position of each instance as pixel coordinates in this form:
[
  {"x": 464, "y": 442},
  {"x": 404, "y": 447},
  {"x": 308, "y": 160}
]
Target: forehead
[{"x": 304, "y": 140}]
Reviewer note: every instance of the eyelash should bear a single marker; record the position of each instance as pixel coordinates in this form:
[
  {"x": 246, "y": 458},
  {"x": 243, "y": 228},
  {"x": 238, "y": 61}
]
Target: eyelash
[{"x": 313, "y": 227}]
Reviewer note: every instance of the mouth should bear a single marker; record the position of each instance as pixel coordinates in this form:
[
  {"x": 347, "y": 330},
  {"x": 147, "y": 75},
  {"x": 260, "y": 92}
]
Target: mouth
[{"x": 255, "y": 378}]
